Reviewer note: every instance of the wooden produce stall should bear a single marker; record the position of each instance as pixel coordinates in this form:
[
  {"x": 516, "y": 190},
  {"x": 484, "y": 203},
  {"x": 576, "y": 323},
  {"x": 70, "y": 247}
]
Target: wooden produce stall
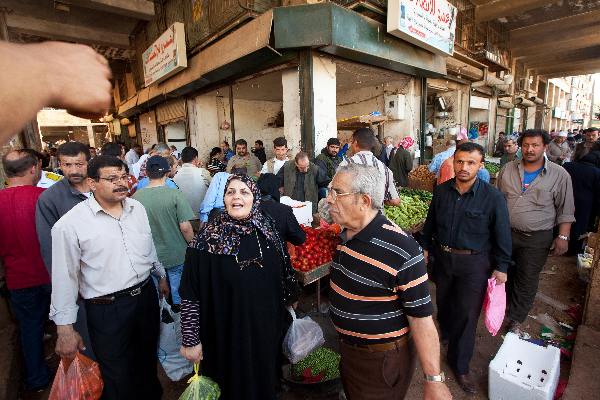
[
  {"x": 312, "y": 260},
  {"x": 410, "y": 215},
  {"x": 420, "y": 178},
  {"x": 362, "y": 121}
]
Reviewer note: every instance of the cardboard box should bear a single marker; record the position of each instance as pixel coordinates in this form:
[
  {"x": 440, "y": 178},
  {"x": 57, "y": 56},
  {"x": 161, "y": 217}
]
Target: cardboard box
[
  {"x": 522, "y": 370},
  {"x": 302, "y": 210}
]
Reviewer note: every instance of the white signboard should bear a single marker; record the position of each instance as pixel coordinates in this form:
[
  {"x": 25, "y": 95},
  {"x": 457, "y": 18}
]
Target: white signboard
[
  {"x": 481, "y": 103},
  {"x": 166, "y": 56},
  {"x": 426, "y": 23}
]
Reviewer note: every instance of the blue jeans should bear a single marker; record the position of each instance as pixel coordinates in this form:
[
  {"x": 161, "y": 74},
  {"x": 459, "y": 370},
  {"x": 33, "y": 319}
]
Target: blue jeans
[
  {"x": 174, "y": 278},
  {"x": 31, "y": 307}
]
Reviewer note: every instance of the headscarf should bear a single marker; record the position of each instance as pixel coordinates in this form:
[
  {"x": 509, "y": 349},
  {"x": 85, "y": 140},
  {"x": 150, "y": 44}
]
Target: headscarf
[
  {"x": 269, "y": 186},
  {"x": 223, "y": 234},
  {"x": 407, "y": 142}
]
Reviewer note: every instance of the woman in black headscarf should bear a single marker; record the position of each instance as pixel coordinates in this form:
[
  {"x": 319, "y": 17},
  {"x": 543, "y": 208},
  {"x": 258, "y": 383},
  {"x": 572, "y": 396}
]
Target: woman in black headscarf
[
  {"x": 585, "y": 175},
  {"x": 236, "y": 281}
]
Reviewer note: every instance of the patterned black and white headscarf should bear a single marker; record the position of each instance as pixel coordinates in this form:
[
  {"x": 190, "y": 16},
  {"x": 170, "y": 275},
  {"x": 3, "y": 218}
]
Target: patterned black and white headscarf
[{"x": 223, "y": 234}]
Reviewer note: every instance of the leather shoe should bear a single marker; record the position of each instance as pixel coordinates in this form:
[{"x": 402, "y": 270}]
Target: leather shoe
[{"x": 466, "y": 384}]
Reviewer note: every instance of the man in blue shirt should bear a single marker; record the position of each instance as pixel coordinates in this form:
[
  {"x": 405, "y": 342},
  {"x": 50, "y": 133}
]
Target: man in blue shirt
[
  {"x": 438, "y": 159},
  {"x": 214, "y": 195},
  {"x": 227, "y": 152}
]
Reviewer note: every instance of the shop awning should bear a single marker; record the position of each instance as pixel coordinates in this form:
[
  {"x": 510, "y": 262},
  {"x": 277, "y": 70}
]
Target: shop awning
[
  {"x": 210, "y": 65},
  {"x": 342, "y": 32}
]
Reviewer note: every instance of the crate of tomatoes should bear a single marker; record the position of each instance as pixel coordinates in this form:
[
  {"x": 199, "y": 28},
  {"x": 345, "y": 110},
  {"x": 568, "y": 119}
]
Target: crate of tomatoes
[{"x": 317, "y": 251}]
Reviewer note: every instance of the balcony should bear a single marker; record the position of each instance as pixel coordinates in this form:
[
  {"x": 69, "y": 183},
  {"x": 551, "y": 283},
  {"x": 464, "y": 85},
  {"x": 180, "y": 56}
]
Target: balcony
[{"x": 485, "y": 42}]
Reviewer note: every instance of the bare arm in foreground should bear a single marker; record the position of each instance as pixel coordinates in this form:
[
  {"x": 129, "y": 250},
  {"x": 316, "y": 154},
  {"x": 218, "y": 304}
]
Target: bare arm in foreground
[{"x": 50, "y": 74}]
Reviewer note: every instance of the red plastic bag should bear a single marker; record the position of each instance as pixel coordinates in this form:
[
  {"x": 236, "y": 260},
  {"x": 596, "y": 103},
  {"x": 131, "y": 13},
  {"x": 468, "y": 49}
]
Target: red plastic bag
[
  {"x": 494, "y": 306},
  {"x": 81, "y": 380}
]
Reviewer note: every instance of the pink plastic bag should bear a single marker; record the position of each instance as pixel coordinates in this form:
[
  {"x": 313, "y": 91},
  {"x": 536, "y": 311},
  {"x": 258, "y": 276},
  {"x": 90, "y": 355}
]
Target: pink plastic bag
[{"x": 494, "y": 306}]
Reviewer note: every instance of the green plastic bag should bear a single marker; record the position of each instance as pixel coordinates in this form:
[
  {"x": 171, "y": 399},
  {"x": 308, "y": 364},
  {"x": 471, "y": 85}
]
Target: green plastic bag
[{"x": 201, "y": 388}]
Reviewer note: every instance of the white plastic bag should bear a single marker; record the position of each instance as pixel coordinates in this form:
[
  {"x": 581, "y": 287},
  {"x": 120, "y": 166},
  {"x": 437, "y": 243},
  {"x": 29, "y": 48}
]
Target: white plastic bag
[
  {"x": 175, "y": 365},
  {"x": 304, "y": 336}
]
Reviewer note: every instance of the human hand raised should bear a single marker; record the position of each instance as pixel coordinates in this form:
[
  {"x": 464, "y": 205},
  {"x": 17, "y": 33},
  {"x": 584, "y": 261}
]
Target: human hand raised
[{"x": 78, "y": 78}]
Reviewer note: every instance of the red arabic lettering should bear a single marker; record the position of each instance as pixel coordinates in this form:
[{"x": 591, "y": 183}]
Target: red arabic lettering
[
  {"x": 159, "y": 48},
  {"x": 416, "y": 31},
  {"x": 443, "y": 17},
  {"x": 427, "y": 5}
]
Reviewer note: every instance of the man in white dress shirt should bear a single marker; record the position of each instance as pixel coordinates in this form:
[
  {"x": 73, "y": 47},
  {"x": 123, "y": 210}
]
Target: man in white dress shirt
[{"x": 102, "y": 249}]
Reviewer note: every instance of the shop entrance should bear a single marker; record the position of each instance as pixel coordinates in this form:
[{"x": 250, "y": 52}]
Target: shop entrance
[{"x": 175, "y": 135}]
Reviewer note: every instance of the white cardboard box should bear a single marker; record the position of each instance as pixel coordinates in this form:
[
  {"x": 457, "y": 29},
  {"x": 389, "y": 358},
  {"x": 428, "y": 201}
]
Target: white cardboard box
[
  {"x": 524, "y": 371},
  {"x": 302, "y": 210}
]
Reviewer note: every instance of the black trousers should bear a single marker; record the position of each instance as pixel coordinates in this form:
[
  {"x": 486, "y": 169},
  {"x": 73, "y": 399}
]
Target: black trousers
[
  {"x": 530, "y": 252},
  {"x": 461, "y": 282},
  {"x": 125, "y": 339}
]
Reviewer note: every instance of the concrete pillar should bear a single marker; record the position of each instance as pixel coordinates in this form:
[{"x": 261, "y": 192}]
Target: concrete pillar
[
  {"x": 91, "y": 137},
  {"x": 290, "y": 81},
  {"x": 324, "y": 98}
]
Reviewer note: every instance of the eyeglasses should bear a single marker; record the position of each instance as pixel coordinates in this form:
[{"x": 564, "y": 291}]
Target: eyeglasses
[
  {"x": 116, "y": 179},
  {"x": 334, "y": 195}
]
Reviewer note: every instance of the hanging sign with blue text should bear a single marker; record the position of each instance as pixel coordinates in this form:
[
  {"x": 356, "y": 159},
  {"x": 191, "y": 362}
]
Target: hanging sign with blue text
[{"x": 429, "y": 24}]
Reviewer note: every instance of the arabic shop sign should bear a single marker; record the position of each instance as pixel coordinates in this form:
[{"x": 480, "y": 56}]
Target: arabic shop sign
[
  {"x": 166, "y": 56},
  {"x": 425, "y": 23}
]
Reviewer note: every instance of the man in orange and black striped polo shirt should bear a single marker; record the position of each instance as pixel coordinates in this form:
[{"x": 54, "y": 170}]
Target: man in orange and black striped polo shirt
[{"x": 379, "y": 295}]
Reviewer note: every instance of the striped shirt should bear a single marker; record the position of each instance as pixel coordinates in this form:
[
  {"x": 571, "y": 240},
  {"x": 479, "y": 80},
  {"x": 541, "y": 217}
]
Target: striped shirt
[
  {"x": 378, "y": 278},
  {"x": 367, "y": 158}
]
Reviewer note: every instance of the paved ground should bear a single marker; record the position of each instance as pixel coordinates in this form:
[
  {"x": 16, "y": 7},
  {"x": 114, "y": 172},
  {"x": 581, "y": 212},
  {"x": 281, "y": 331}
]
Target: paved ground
[{"x": 559, "y": 281}]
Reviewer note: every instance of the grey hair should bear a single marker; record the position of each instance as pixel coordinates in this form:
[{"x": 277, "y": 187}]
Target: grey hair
[
  {"x": 160, "y": 147},
  {"x": 366, "y": 180}
]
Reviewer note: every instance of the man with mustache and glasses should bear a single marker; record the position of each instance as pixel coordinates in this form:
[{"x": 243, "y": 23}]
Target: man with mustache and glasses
[
  {"x": 56, "y": 201},
  {"x": 103, "y": 250},
  {"x": 539, "y": 194}
]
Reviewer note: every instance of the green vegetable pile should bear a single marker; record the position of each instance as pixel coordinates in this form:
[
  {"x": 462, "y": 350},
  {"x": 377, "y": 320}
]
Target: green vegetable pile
[
  {"x": 411, "y": 211},
  {"x": 423, "y": 195},
  {"x": 492, "y": 168},
  {"x": 320, "y": 365}
]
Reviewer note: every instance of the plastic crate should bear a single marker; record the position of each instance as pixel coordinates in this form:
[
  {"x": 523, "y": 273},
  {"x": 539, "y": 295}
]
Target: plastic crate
[{"x": 522, "y": 370}]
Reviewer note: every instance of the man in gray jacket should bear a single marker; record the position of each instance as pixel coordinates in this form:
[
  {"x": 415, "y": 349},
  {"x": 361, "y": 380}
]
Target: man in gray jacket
[{"x": 55, "y": 202}]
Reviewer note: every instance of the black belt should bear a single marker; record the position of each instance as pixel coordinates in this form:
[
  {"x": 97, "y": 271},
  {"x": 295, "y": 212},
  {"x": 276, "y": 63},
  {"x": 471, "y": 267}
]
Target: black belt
[
  {"x": 129, "y": 292},
  {"x": 448, "y": 249},
  {"x": 379, "y": 347}
]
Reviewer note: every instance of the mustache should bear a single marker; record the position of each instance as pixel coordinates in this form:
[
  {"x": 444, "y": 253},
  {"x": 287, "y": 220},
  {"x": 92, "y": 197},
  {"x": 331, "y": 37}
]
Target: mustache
[
  {"x": 120, "y": 189},
  {"x": 75, "y": 176}
]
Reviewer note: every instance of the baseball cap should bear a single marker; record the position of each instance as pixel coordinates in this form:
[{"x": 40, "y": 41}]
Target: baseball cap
[
  {"x": 562, "y": 134},
  {"x": 157, "y": 164}
]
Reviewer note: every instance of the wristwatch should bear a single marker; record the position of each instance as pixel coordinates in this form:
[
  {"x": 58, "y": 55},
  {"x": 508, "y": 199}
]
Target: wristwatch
[
  {"x": 435, "y": 378},
  {"x": 563, "y": 237}
]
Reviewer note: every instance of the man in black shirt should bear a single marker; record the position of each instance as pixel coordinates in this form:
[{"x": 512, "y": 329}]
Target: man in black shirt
[
  {"x": 468, "y": 231},
  {"x": 286, "y": 223},
  {"x": 259, "y": 151}
]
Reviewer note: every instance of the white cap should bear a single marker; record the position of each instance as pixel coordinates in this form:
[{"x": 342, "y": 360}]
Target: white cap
[{"x": 562, "y": 134}]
